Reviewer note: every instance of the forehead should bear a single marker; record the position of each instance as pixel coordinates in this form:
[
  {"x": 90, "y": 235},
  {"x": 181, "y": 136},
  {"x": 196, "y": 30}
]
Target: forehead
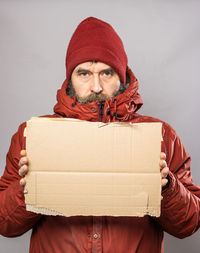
[{"x": 92, "y": 66}]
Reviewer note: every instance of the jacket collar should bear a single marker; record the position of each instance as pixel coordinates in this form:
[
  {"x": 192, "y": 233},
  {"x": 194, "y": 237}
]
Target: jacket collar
[{"x": 119, "y": 108}]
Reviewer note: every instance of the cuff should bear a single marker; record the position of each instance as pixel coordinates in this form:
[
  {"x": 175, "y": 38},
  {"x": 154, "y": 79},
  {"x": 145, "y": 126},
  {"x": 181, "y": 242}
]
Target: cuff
[{"x": 170, "y": 186}]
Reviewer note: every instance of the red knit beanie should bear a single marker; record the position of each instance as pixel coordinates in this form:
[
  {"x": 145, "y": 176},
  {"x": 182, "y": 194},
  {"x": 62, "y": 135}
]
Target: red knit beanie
[{"x": 94, "y": 39}]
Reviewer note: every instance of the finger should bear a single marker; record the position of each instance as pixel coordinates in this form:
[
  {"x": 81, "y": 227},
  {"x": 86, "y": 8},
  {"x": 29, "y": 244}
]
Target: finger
[
  {"x": 165, "y": 172},
  {"x": 162, "y": 156},
  {"x": 22, "y": 182},
  {"x": 23, "y": 153},
  {"x": 23, "y": 170},
  {"x": 162, "y": 164},
  {"x": 164, "y": 182},
  {"x": 23, "y": 160}
]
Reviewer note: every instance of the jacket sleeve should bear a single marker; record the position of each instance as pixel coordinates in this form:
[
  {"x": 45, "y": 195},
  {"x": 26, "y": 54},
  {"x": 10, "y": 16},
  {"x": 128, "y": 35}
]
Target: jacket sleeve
[
  {"x": 180, "y": 206},
  {"x": 14, "y": 219}
]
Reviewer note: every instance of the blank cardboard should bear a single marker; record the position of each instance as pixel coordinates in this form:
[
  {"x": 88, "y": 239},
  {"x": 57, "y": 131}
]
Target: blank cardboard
[{"x": 91, "y": 168}]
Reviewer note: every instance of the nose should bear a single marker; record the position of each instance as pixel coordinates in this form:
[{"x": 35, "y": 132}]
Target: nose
[{"x": 96, "y": 85}]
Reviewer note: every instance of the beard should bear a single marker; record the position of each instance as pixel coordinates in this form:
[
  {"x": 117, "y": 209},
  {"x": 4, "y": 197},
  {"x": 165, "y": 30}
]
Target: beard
[{"x": 100, "y": 97}]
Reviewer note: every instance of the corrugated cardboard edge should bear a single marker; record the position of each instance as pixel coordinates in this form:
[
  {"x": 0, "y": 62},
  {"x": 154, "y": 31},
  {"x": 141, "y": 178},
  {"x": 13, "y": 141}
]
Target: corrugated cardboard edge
[
  {"x": 46, "y": 211},
  {"x": 42, "y": 210}
]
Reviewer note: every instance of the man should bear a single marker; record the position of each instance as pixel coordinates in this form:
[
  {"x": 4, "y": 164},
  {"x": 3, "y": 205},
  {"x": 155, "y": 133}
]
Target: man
[{"x": 99, "y": 86}]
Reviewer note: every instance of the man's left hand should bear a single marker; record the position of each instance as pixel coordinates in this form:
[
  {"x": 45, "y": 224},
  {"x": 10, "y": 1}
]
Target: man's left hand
[{"x": 163, "y": 169}]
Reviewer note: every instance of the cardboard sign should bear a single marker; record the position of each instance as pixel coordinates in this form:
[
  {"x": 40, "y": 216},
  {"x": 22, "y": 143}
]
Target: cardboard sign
[{"x": 91, "y": 168}]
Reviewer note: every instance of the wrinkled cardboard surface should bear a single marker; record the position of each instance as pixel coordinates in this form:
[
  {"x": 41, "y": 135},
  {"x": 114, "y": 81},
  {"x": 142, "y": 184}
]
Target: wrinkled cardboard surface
[{"x": 90, "y": 168}]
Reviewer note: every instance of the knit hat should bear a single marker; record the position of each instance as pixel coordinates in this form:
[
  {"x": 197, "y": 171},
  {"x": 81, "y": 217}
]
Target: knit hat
[{"x": 94, "y": 39}]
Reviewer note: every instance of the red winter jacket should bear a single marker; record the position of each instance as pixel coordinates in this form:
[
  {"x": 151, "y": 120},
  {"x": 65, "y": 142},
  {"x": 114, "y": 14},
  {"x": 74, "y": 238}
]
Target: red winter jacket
[{"x": 180, "y": 210}]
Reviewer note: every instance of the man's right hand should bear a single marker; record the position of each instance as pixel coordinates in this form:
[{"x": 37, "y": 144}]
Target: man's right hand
[{"x": 23, "y": 163}]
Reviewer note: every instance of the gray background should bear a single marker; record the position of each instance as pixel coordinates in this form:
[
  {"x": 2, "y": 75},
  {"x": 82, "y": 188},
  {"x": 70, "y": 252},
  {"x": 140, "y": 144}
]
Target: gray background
[{"x": 162, "y": 40}]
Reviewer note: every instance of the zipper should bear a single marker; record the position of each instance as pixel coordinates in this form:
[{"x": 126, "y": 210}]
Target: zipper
[{"x": 101, "y": 106}]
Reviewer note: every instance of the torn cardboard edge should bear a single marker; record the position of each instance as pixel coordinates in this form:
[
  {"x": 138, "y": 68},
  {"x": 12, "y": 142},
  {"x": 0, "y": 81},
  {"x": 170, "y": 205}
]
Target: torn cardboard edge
[
  {"x": 42, "y": 210},
  {"x": 47, "y": 211},
  {"x": 122, "y": 152}
]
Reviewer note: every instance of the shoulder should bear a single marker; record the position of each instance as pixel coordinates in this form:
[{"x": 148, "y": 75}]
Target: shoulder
[
  {"x": 171, "y": 141},
  {"x": 19, "y": 135},
  {"x": 167, "y": 129},
  {"x": 144, "y": 118}
]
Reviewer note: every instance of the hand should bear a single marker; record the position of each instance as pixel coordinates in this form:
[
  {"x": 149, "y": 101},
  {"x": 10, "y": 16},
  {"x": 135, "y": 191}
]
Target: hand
[
  {"x": 163, "y": 169},
  {"x": 23, "y": 163}
]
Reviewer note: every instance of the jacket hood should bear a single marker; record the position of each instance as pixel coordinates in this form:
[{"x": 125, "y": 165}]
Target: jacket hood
[{"x": 120, "y": 108}]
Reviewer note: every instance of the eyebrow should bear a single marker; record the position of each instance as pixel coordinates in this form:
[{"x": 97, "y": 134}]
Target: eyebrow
[
  {"x": 80, "y": 70},
  {"x": 108, "y": 69}
]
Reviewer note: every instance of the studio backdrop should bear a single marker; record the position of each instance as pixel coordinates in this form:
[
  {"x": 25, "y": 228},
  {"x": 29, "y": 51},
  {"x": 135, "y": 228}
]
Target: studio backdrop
[{"x": 162, "y": 41}]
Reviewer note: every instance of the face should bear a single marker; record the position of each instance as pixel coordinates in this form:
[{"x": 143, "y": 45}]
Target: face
[{"x": 94, "y": 81}]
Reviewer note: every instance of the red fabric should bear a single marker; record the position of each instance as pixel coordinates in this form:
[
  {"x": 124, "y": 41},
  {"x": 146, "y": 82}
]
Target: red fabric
[
  {"x": 96, "y": 40},
  {"x": 180, "y": 210}
]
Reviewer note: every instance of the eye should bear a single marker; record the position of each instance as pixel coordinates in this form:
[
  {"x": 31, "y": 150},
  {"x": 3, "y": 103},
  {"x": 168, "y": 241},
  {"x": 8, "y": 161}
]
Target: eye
[
  {"x": 83, "y": 74},
  {"x": 107, "y": 73}
]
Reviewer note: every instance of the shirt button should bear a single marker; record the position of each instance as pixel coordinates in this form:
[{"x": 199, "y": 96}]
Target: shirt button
[
  {"x": 95, "y": 236},
  {"x": 92, "y": 109}
]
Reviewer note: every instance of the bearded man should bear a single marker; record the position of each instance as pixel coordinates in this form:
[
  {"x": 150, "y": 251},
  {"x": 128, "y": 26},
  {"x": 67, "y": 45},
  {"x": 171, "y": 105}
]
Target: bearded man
[{"x": 100, "y": 86}]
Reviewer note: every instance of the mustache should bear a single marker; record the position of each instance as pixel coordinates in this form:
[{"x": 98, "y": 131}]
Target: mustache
[{"x": 92, "y": 97}]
